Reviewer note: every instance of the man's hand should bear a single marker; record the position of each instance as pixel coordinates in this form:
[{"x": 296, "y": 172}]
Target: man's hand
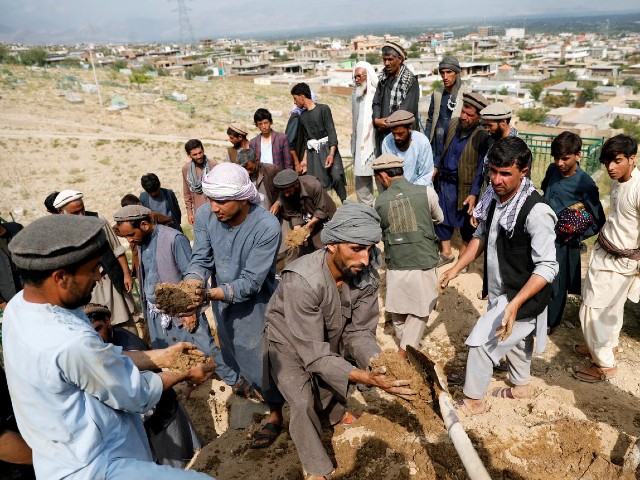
[
  {"x": 395, "y": 387},
  {"x": 474, "y": 222},
  {"x": 128, "y": 282},
  {"x": 303, "y": 167},
  {"x": 191, "y": 218},
  {"x": 470, "y": 202},
  {"x": 275, "y": 209},
  {"x": 380, "y": 124},
  {"x": 510, "y": 312},
  {"x": 200, "y": 373},
  {"x": 446, "y": 277},
  {"x": 435, "y": 174},
  {"x": 168, "y": 356},
  {"x": 200, "y": 291},
  {"x": 329, "y": 161}
]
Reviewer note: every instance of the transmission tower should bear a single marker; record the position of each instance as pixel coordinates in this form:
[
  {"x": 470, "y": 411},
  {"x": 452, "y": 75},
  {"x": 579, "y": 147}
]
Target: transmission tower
[{"x": 185, "y": 30}]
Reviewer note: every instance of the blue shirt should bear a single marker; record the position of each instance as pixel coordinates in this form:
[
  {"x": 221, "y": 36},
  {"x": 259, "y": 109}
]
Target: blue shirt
[
  {"x": 181, "y": 250},
  {"x": 160, "y": 204},
  {"x": 76, "y": 399},
  {"x": 418, "y": 158}
]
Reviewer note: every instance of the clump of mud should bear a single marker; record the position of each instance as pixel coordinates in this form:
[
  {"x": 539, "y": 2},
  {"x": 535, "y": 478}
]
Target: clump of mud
[
  {"x": 176, "y": 299},
  {"x": 187, "y": 360},
  {"x": 296, "y": 237}
]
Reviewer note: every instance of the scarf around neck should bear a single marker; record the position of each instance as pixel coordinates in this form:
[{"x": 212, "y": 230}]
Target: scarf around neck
[{"x": 195, "y": 182}]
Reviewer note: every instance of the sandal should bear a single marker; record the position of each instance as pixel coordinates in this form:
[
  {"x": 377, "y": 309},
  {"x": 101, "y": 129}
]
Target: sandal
[
  {"x": 503, "y": 392},
  {"x": 265, "y": 437},
  {"x": 595, "y": 373},
  {"x": 243, "y": 389}
]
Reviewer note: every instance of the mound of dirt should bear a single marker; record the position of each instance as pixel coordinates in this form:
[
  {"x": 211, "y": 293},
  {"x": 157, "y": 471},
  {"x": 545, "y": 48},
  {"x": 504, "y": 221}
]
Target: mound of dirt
[
  {"x": 176, "y": 299},
  {"x": 296, "y": 237}
]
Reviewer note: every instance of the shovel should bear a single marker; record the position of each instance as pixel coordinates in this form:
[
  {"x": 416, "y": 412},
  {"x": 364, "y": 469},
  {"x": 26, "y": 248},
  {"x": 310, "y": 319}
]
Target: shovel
[{"x": 434, "y": 376}]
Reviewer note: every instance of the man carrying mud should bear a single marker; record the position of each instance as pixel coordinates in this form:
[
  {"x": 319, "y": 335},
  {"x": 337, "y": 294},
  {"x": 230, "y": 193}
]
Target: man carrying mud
[
  {"x": 77, "y": 400},
  {"x": 516, "y": 233},
  {"x": 326, "y": 307}
]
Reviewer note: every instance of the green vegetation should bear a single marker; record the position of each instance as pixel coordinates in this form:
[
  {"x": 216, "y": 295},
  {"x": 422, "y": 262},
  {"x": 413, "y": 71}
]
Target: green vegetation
[
  {"x": 138, "y": 77},
  {"x": 632, "y": 82},
  {"x": 536, "y": 91},
  {"x": 34, "y": 56},
  {"x": 195, "y": 71},
  {"x": 555, "y": 101},
  {"x": 630, "y": 128},
  {"x": 532, "y": 115},
  {"x": 119, "y": 64}
]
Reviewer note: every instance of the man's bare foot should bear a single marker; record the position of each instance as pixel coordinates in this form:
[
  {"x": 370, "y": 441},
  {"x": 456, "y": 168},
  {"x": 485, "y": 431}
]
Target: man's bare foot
[
  {"x": 471, "y": 406},
  {"x": 402, "y": 353}
]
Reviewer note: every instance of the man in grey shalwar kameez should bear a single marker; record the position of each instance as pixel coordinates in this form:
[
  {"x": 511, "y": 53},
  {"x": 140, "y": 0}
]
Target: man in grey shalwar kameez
[
  {"x": 239, "y": 240},
  {"x": 325, "y": 307},
  {"x": 516, "y": 234}
]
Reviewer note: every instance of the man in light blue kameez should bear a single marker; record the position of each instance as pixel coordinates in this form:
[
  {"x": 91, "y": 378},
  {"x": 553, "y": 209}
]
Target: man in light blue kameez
[
  {"x": 239, "y": 240},
  {"x": 77, "y": 400}
]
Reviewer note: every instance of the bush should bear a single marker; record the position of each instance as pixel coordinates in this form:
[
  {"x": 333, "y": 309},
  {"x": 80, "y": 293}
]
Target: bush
[
  {"x": 532, "y": 115},
  {"x": 630, "y": 128}
]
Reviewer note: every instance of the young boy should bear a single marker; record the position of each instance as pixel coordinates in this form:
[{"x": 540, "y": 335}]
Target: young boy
[
  {"x": 614, "y": 268},
  {"x": 161, "y": 200},
  {"x": 565, "y": 185}
]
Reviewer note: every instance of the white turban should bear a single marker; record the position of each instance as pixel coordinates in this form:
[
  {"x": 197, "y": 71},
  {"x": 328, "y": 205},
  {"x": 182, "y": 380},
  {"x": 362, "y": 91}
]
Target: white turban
[
  {"x": 65, "y": 197},
  {"x": 229, "y": 181}
]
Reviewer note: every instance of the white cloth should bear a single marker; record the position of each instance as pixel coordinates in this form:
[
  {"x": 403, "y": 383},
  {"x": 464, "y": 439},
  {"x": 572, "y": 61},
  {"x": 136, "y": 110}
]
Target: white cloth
[
  {"x": 230, "y": 181},
  {"x": 363, "y": 132},
  {"x": 266, "y": 151},
  {"x": 485, "y": 328},
  {"x": 412, "y": 292},
  {"x": 317, "y": 143}
]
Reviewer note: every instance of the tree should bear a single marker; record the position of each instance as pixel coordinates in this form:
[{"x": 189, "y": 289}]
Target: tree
[
  {"x": 119, "y": 64},
  {"x": 532, "y": 115},
  {"x": 630, "y": 128},
  {"x": 536, "y": 90},
  {"x": 195, "y": 71},
  {"x": 4, "y": 53},
  {"x": 34, "y": 56},
  {"x": 589, "y": 93},
  {"x": 437, "y": 85},
  {"x": 374, "y": 58},
  {"x": 138, "y": 77}
]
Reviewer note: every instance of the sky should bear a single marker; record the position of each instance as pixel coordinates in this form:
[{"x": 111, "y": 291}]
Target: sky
[{"x": 104, "y": 21}]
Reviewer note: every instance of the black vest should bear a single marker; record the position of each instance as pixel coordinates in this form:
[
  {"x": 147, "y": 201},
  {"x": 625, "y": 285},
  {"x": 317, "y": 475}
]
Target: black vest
[{"x": 515, "y": 263}]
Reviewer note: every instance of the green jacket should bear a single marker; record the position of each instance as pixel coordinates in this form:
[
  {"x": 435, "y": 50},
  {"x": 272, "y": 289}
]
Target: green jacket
[{"x": 410, "y": 242}]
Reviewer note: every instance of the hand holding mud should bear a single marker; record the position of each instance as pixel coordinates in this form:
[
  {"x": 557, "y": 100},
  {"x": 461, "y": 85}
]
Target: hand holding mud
[{"x": 508, "y": 319}]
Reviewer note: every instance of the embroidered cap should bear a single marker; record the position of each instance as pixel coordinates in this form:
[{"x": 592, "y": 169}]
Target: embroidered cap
[
  {"x": 496, "y": 111},
  {"x": 91, "y": 308},
  {"x": 285, "y": 179},
  {"x": 238, "y": 128},
  {"x": 396, "y": 47},
  {"x": 475, "y": 100},
  {"x": 387, "y": 160},
  {"x": 400, "y": 117},
  {"x": 65, "y": 197},
  {"x": 131, "y": 213},
  {"x": 56, "y": 241}
]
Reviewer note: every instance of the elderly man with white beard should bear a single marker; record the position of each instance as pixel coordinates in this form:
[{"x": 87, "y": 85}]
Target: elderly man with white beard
[{"x": 363, "y": 138}]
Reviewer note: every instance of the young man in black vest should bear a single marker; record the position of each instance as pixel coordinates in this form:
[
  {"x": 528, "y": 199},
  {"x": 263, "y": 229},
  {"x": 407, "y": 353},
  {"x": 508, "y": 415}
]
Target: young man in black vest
[{"x": 516, "y": 234}]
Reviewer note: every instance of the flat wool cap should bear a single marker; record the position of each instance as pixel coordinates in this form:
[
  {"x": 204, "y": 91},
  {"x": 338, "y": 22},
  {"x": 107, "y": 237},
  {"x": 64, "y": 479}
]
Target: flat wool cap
[
  {"x": 400, "y": 117},
  {"x": 475, "y": 100},
  {"x": 285, "y": 178},
  {"x": 397, "y": 47},
  {"x": 131, "y": 213},
  {"x": 238, "y": 128},
  {"x": 496, "y": 111},
  {"x": 91, "y": 308},
  {"x": 65, "y": 197},
  {"x": 387, "y": 160},
  {"x": 57, "y": 241}
]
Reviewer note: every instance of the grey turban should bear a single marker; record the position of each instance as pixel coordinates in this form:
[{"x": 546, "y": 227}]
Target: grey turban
[{"x": 353, "y": 223}]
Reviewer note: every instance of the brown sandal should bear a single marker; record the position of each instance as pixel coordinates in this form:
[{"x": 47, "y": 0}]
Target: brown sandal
[{"x": 595, "y": 374}]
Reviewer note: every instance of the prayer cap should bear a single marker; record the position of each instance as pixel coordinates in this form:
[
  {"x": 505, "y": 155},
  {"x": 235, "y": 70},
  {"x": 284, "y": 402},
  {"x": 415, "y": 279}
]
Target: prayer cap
[
  {"x": 238, "y": 128},
  {"x": 56, "y": 241},
  {"x": 91, "y": 308},
  {"x": 400, "y": 117},
  {"x": 131, "y": 213},
  {"x": 396, "y": 47},
  {"x": 496, "y": 111},
  {"x": 285, "y": 179},
  {"x": 449, "y": 62},
  {"x": 353, "y": 223},
  {"x": 387, "y": 160},
  {"x": 475, "y": 100},
  {"x": 65, "y": 197},
  {"x": 230, "y": 181}
]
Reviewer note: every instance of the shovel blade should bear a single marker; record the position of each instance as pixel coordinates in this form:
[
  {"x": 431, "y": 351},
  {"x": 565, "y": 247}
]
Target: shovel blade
[{"x": 431, "y": 371}]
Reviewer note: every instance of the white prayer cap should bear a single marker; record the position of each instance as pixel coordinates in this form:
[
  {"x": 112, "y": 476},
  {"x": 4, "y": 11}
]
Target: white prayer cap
[{"x": 65, "y": 197}]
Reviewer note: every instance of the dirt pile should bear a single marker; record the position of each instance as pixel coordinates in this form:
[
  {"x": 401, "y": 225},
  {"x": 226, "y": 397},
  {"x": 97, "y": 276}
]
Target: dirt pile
[
  {"x": 296, "y": 237},
  {"x": 176, "y": 299}
]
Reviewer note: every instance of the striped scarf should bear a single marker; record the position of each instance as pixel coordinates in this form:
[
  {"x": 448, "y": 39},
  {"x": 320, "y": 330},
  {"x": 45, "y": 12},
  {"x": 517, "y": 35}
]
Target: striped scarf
[{"x": 400, "y": 88}]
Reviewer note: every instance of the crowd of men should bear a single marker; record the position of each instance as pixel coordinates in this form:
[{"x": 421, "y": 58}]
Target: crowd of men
[{"x": 297, "y": 324}]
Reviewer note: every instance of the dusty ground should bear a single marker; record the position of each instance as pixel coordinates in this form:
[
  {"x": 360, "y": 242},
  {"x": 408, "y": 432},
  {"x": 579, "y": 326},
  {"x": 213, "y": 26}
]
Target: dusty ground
[{"x": 568, "y": 430}]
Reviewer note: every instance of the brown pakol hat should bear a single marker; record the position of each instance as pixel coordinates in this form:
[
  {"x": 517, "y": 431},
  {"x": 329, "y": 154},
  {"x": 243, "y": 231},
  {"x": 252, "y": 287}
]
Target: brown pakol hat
[
  {"x": 400, "y": 117},
  {"x": 496, "y": 111},
  {"x": 475, "y": 100},
  {"x": 238, "y": 128},
  {"x": 131, "y": 213},
  {"x": 387, "y": 160}
]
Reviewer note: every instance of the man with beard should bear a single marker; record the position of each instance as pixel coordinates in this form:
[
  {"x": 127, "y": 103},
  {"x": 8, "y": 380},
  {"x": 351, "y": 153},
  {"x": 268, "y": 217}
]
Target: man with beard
[
  {"x": 460, "y": 174},
  {"x": 114, "y": 289},
  {"x": 398, "y": 89},
  {"x": 261, "y": 175},
  {"x": 237, "y": 134},
  {"x": 445, "y": 104},
  {"x": 321, "y": 158},
  {"x": 411, "y": 146},
  {"x": 77, "y": 400},
  {"x": 325, "y": 308},
  {"x": 192, "y": 173},
  {"x": 271, "y": 147},
  {"x": 303, "y": 203},
  {"x": 363, "y": 140}
]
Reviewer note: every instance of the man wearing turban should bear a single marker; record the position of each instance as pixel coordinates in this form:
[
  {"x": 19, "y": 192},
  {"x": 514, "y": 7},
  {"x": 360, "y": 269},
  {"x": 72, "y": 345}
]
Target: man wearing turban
[
  {"x": 325, "y": 307},
  {"x": 238, "y": 240}
]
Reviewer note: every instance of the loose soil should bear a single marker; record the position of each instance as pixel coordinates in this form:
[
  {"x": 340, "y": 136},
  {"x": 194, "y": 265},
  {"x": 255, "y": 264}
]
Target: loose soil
[
  {"x": 187, "y": 360},
  {"x": 174, "y": 299},
  {"x": 296, "y": 237}
]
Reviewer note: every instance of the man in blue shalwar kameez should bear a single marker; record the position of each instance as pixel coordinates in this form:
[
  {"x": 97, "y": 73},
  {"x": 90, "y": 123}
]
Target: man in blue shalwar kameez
[{"x": 239, "y": 240}]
